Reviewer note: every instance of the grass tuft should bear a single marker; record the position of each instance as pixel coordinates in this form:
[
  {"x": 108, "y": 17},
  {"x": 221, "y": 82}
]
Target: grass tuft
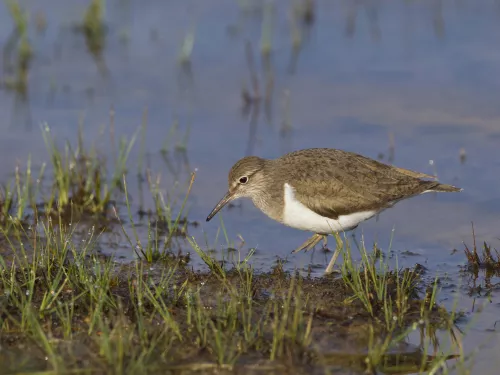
[
  {"x": 391, "y": 296},
  {"x": 18, "y": 51},
  {"x": 81, "y": 182},
  {"x": 488, "y": 259}
]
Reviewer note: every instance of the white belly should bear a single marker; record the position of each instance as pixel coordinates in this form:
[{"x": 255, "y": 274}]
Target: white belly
[{"x": 298, "y": 216}]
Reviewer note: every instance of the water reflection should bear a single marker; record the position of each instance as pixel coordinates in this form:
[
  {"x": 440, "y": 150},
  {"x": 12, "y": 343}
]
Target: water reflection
[
  {"x": 94, "y": 32},
  {"x": 17, "y": 60},
  {"x": 370, "y": 9},
  {"x": 425, "y": 348}
]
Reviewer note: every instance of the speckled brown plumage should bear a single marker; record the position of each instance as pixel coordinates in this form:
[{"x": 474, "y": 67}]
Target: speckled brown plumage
[{"x": 330, "y": 182}]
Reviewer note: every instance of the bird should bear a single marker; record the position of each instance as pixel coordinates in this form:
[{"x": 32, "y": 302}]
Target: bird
[{"x": 323, "y": 190}]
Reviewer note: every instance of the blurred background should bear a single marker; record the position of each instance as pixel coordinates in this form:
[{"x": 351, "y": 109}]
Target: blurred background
[{"x": 413, "y": 83}]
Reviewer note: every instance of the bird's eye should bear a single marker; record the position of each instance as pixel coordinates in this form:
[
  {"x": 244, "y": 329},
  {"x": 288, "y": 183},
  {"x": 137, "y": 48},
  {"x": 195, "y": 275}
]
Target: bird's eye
[{"x": 243, "y": 180}]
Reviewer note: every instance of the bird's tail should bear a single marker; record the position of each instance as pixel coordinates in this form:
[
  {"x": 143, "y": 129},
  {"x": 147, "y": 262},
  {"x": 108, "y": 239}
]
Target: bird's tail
[{"x": 437, "y": 187}]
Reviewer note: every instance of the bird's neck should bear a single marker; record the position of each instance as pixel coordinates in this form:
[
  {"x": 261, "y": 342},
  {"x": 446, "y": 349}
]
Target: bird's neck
[{"x": 270, "y": 201}]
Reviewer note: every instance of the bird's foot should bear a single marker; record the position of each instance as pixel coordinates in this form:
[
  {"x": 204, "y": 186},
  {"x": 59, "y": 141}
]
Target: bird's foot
[
  {"x": 325, "y": 247},
  {"x": 331, "y": 272},
  {"x": 329, "y": 269},
  {"x": 310, "y": 243}
]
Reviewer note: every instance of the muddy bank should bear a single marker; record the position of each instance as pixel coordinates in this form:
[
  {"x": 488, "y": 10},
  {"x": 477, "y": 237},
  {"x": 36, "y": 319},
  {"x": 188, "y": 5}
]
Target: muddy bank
[{"x": 91, "y": 313}]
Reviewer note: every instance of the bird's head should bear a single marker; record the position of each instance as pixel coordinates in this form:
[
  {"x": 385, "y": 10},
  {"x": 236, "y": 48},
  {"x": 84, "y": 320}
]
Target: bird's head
[{"x": 246, "y": 179}]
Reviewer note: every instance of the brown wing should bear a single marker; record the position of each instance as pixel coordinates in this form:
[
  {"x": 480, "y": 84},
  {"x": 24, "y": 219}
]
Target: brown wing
[{"x": 334, "y": 182}]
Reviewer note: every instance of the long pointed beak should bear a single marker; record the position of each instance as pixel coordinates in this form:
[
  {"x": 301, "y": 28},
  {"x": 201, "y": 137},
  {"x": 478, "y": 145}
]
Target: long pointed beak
[{"x": 225, "y": 200}]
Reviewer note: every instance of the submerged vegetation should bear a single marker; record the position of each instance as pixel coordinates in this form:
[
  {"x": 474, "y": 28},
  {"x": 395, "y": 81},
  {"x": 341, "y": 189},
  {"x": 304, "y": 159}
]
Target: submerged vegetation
[
  {"x": 484, "y": 261},
  {"x": 488, "y": 259}
]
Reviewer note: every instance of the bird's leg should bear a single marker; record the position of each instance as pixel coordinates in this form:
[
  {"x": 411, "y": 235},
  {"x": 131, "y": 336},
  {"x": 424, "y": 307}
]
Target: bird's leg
[
  {"x": 325, "y": 242},
  {"x": 310, "y": 243},
  {"x": 340, "y": 246}
]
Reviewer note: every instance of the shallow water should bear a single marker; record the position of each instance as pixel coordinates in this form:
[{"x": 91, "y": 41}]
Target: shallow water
[{"x": 417, "y": 80}]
